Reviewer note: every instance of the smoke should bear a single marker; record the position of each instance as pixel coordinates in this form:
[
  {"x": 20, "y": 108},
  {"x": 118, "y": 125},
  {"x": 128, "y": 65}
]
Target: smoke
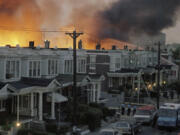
[
  {"x": 117, "y": 19},
  {"x": 126, "y": 18}
]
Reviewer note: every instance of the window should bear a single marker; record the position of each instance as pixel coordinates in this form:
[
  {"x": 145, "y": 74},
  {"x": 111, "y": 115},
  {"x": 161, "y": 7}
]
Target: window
[
  {"x": 12, "y": 69},
  {"x": 110, "y": 82},
  {"x": 68, "y": 66},
  {"x": 118, "y": 63},
  {"x": 92, "y": 62},
  {"x": 81, "y": 66},
  {"x": 52, "y": 67},
  {"x": 34, "y": 69}
]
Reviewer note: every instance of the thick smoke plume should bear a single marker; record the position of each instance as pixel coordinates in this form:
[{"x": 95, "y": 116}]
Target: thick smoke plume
[
  {"x": 98, "y": 19},
  {"x": 126, "y": 18}
]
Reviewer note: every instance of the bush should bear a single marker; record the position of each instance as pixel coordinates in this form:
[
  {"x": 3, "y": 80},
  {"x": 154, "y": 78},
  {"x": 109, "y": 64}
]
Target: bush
[
  {"x": 24, "y": 132},
  {"x": 52, "y": 128},
  {"x": 94, "y": 116},
  {"x": 3, "y": 121},
  {"x": 29, "y": 132},
  {"x": 6, "y": 127},
  {"x": 63, "y": 130},
  {"x": 105, "y": 111},
  {"x": 39, "y": 133}
]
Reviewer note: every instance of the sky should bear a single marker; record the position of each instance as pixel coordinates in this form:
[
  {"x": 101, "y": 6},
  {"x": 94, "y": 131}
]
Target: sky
[
  {"x": 98, "y": 19},
  {"x": 173, "y": 33}
]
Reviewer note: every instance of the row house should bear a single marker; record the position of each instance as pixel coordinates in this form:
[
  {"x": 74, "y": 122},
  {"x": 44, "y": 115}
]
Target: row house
[
  {"x": 36, "y": 80},
  {"x": 123, "y": 67}
]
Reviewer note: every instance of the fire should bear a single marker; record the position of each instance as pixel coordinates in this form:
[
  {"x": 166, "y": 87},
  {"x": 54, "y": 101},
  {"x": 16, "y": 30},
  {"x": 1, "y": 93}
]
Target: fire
[
  {"x": 19, "y": 37},
  {"x": 22, "y": 21}
]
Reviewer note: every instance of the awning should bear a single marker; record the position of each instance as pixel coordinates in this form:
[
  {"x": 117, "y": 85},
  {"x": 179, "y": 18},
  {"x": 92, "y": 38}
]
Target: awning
[{"x": 58, "y": 98}]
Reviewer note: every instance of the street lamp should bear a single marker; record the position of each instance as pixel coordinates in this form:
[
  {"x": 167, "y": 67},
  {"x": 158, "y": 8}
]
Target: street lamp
[
  {"x": 18, "y": 124},
  {"x": 164, "y": 82}
]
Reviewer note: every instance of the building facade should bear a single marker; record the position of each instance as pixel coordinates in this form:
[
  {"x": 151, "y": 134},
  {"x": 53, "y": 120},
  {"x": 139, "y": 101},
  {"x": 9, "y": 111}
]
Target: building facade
[{"x": 33, "y": 79}]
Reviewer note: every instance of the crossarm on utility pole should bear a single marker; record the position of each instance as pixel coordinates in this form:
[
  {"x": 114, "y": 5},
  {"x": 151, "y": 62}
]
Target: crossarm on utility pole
[{"x": 74, "y": 35}]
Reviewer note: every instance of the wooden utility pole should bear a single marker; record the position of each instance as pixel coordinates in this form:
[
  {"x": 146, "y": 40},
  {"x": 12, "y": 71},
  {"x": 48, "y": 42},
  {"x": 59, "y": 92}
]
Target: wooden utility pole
[{"x": 74, "y": 35}]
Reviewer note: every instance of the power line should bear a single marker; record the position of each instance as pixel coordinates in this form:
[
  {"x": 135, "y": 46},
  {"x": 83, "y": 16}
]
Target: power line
[{"x": 31, "y": 29}]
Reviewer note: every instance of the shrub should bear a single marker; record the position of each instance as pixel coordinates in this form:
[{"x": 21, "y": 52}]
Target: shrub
[
  {"x": 39, "y": 133},
  {"x": 6, "y": 127},
  {"x": 24, "y": 132},
  {"x": 52, "y": 128},
  {"x": 63, "y": 130},
  {"x": 94, "y": 116}
]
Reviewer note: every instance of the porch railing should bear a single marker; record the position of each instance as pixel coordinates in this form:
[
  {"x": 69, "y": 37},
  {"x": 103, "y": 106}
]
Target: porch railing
[{"x": 27, "y": 111}]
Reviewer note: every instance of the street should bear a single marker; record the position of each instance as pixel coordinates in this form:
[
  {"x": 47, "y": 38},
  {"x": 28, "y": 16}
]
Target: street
[{"x": 147, "y": 130}]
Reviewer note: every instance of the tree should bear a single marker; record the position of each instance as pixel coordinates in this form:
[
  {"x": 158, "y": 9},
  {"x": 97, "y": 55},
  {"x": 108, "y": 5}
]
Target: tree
[
  {"x": 176, "y": 53},
  {"x": 175, "y": 86},
  {"x": 87, "y": 115}
]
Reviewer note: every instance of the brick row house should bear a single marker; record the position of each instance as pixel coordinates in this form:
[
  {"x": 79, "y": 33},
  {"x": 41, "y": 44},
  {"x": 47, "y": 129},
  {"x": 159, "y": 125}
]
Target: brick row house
[{"x": 34, "y": 81}]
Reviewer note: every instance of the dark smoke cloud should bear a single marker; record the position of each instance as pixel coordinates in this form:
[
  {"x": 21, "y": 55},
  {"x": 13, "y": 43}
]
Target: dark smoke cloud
[{"x": 126, "y": 18}]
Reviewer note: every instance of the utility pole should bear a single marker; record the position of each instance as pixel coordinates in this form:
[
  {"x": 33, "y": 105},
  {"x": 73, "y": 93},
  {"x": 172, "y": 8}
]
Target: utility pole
[
  {"x": 74, "y": 35},
  {"x": 158, "y": 77}
]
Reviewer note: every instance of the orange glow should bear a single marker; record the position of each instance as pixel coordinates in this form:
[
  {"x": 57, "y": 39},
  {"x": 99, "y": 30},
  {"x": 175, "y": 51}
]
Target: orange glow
[
  {"x": 18, "y": 15},
  {"x": 18, "y": 37}
]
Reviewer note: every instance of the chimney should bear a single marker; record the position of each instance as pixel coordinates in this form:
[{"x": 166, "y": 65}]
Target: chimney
[
  {"x": 113, "y": 47},
  {"x": 8, "y": 46},
  {"x": 98, "y": 46},
  {"x": 31, "y": 44},
  {"x": 125, "y": 47},
  {"x": 80, "y": 44},
  {"x": 47, "y": 44}
]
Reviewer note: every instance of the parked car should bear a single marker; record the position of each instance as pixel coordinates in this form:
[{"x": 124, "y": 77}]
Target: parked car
[
  {"x": 178, "y": 120},
  {"x": 109, "y": 131},
  {"x": 145, "y": 114},
  {"x": 168, "y": 115},
  {"x": 125, "y": 128}
]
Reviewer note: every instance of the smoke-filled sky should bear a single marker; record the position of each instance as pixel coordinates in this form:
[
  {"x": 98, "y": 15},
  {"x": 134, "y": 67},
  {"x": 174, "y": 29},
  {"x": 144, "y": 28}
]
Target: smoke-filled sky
[
  {"x": 98, "y": 19},
  {"x": 121, "y": 19}
]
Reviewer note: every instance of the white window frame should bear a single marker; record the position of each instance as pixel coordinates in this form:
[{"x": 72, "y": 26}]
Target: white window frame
[
  {"x": 52, "y": 66},
  {"x": 81, "y": 66},
  {"x": 68, "y": 66},
  {"x": 12, "y": 69},
  {"x": 35, "y": 69},
  {"x": 92, "y": 62}
]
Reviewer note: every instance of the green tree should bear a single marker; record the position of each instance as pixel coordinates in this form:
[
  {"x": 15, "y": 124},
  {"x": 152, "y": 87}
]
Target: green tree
[
  {"x": 175, "y": 86},
  {"x": 176, "y": 53}
]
